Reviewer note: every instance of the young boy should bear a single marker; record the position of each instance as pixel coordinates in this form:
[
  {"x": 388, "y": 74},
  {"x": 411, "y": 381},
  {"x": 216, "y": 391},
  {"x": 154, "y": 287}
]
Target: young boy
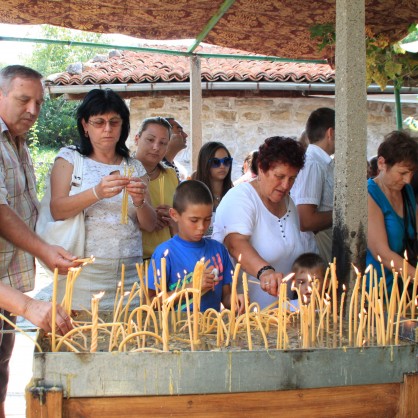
[
  {"x": 308, "y": 265},
  {"x": 192, "y": 211}
]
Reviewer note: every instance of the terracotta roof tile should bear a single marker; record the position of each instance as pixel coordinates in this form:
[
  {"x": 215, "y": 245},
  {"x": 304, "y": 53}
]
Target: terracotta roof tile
[{"x": 146, "y": 67}]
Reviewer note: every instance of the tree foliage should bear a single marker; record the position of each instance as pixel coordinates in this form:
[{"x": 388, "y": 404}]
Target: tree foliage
[
  {"x": 386, "y": 62},
  {"x": 53, "y": 58},
  {"x": 56, "y": 123}
]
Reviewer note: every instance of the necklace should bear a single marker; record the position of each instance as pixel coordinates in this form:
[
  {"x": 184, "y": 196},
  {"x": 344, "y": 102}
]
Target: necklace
[{"x": 150, "y": 173}]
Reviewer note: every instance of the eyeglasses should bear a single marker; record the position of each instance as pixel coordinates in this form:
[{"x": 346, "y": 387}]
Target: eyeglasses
[
  {"x": 216, "y": 162},
  {"x": 101, "y": 123}
]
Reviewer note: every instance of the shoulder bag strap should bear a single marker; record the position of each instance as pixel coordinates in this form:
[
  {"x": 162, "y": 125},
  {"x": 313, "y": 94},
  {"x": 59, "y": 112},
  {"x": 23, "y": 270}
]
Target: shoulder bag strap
[
  {"x": 77, "y": 176},
  {"x": 408, "y": 214}
]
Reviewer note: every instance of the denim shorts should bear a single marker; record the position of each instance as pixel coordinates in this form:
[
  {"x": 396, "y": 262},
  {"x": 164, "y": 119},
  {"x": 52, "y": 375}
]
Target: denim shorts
[{"x": 7, "y": 342}]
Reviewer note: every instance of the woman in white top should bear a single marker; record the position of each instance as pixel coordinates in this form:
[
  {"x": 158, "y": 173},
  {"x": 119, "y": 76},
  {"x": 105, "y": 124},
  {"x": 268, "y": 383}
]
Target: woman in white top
[
  {"x": 258, "y": 222},
  {"x": 103, "y": 125}
]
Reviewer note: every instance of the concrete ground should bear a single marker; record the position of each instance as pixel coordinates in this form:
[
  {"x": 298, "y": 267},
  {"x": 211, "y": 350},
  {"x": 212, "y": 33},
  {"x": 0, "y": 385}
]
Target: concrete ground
[{"x": 21, "y": 362}]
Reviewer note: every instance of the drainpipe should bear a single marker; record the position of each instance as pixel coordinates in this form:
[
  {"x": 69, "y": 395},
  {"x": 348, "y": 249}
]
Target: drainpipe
[{"x": 398, "y": 106}]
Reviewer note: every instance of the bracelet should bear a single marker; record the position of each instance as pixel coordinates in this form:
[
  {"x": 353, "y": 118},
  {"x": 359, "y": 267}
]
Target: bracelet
[
  {"x": 140, "y": 206},
  {"x": 263, "y": 269},
  {"x": 95, "y": 193}
]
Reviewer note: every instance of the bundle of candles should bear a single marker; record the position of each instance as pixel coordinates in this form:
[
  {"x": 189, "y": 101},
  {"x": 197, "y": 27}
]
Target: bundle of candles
[
  {"x": 127, "y": 171},
  {"x": 372, "y": 317}
]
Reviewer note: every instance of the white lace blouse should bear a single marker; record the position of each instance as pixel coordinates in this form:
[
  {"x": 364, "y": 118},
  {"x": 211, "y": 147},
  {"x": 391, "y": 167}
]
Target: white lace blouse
[{"x": 106, "y": 237}]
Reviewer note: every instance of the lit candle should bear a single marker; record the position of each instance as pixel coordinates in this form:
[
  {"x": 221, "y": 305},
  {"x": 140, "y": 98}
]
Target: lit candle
[{"x": 95, "y": 320}]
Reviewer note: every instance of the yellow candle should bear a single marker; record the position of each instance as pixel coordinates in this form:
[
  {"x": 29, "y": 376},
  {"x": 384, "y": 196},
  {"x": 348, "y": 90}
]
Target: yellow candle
[
  {"x": 342, "y": 313},
  {"x": 233, "y": 299},
  {"x": 54, "y": 310},
  {"x": 334, "y": 292},
  {"x": 401, "y": 303},
  {"x": 414, "y": 294},
  {"x": 164, "y": 276},
  {"x": 247, "y": 314},
  {"x": 122, "y": 280}
]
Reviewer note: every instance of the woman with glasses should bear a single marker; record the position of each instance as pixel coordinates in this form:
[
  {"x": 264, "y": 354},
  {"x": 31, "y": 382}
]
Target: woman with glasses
[
  {"x": 107, "y": 169},
  {"x": 152, "y": 142},
  {"x": 214, "y": 167},
  {"x": 258, "y": 222}
]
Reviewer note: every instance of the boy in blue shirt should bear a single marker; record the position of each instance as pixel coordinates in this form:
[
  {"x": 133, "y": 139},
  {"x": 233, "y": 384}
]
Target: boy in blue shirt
[{"x": 192, "y": 211}]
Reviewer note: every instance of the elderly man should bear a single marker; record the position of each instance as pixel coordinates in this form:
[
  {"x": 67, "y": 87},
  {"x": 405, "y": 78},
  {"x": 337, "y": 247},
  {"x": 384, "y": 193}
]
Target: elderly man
[
  {"x": 177, "y": 143},
  {"x": 21, "y": 97}
]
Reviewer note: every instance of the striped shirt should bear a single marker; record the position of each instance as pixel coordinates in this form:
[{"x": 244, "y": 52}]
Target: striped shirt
[{"x": 18, "y": 191}]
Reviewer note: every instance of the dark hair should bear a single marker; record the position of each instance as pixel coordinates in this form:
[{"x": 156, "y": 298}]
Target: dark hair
[
  {"x": 399, "y": 147},
  {"x": 372, "y": 169},
  {"x": 99, "y": 102},
  {"x": 157, "y": 120},
  {"x": 309, "y": 261},
  {"x": 207, "y": 152},
  {"x": 192, "y": 192},
  {"x": 254, "y": 166},
  {"x": 319, "y": 121},
  {"x": 9, "y": 73},
  {"x": 280, "y": 150}
]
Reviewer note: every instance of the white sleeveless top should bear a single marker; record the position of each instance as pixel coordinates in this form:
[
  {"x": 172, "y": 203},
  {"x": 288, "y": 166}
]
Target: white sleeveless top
[{"x": 106, "y": 237}]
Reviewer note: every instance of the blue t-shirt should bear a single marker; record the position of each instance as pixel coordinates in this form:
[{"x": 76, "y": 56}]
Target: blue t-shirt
[
  {"x": 394, "y": 225},
  {"x": 181, "y": 259}
]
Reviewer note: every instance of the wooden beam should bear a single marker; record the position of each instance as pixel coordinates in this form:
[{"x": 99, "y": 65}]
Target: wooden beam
[
  {"x": 195, "y": 109},
  {"x": 353, "y": 401}
]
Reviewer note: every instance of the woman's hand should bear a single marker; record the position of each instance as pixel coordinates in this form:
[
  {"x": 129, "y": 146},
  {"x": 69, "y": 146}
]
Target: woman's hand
[
  {"x": 111, "y": 185},
  {"x": 163, "y": 217},
  {"x": 270, "y": 281},
  {"x": 137, "y": 189}
]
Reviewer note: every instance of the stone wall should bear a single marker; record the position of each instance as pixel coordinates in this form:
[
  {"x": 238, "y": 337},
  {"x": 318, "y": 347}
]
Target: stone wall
[{"x": 242, "y": 123}]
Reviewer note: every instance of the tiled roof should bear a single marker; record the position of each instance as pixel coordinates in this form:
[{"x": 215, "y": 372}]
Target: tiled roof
[{"x": 143, "y": 67}]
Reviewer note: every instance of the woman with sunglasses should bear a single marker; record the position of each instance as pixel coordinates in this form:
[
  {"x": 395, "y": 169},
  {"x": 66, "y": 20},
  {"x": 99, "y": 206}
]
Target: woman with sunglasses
[
  {"x": 103, "y": 126},
  {"x": 258, "y": 221},
  {"x": 214, "y": 167}
]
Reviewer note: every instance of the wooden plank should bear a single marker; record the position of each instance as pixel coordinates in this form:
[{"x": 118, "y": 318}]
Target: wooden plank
[
  {"x": 43, "y": 402},
  {"x": 353, "y": 401},
  {"x": 408, "y": 400}
]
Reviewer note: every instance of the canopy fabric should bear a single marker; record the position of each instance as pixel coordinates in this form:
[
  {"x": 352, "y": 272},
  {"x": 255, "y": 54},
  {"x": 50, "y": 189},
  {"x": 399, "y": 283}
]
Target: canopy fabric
[{"x": 270, "y": 27}]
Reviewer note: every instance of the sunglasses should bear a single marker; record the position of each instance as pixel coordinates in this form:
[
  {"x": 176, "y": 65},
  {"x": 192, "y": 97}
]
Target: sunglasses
[{"x": 216, "y": 162}]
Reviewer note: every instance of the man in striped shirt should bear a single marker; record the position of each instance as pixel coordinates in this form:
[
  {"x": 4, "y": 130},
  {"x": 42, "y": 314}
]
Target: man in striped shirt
[{"x": 21, "y": 97}]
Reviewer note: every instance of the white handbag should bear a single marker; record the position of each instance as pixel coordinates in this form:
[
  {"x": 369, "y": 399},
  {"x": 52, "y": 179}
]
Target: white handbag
[{"x": 69, "y": 233}]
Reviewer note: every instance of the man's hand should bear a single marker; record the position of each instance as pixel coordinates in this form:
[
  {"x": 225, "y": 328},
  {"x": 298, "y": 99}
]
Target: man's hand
[
  {"x": 55, "y": 256},
  {"x": 40, "y": 314}
]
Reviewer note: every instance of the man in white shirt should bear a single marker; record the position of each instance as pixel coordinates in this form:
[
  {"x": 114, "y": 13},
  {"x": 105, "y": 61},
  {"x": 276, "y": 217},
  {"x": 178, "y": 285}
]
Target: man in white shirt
[
  {"x": 313, "y": 191},
  {"x": 177, "y": 143}
]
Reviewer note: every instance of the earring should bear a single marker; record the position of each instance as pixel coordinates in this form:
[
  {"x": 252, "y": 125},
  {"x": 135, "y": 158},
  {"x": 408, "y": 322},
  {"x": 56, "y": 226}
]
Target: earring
[{"x": 86, "y": 134}]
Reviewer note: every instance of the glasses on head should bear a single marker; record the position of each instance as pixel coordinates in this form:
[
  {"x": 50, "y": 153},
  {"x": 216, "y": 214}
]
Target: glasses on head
[
  {"x": 216, "y": 162},
  {"x": 101, "y": 123}
]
